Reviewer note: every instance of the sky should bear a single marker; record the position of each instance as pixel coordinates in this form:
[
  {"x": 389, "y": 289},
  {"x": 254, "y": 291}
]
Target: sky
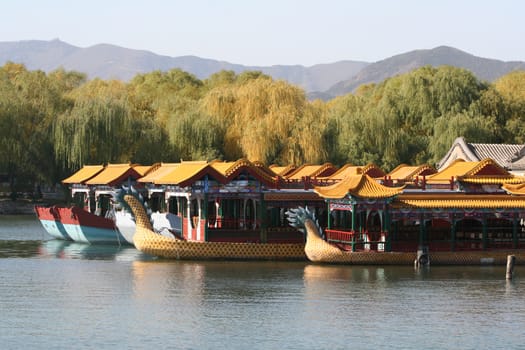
[{"x": 271, "y": 32}]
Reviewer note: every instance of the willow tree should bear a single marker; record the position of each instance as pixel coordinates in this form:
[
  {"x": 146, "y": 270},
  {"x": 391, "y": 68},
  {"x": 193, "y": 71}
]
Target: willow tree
[
  {"x": 310, "y": 132},
  {"x": 260, "y": 115},
  {"x": 271, "y": 108},
  {"x": 29, "y": 102},
  {"x": 512, "y": 86},
  {"x": 475, "y": 128},
  {"x": 220, "y": 104},
  {"x": 10, "y": 145},
  {"x": 345, "y": 130},
  {"x": 158, "y": 99},
  {"x": 98, "y": 129},
  {"x": 512, "y": 89},
  {"x": 196, "y": 136},
  {"x": 161, "y": 95}
]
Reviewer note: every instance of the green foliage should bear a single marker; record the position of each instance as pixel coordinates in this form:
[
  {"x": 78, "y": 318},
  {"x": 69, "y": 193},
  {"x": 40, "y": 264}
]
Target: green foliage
[
  {"x": 52, "y": 124},
  {"x": 196, "y": 136},
  {"x": 28, "y": 103},
  {"x": 397, "y": 120}
]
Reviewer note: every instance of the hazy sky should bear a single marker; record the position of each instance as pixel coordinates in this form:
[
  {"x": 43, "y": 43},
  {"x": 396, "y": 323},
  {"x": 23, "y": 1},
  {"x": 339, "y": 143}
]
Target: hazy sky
[{"x": 268, "y": 32}]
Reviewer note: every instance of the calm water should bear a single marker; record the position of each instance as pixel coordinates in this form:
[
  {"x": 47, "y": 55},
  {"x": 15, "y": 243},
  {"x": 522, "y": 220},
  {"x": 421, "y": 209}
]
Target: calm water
[{"x": 62, "y": 295}]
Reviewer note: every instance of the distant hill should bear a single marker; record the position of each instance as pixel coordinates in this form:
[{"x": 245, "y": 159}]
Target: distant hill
[
  {"x": 113, "y": 62},
  {"x": 323, "y": 81},
  {"x": 483, "y": 68}
]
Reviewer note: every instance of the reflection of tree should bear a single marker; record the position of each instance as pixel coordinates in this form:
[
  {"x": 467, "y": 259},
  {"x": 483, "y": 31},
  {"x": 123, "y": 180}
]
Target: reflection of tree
[{"x": 19, "y": 249}]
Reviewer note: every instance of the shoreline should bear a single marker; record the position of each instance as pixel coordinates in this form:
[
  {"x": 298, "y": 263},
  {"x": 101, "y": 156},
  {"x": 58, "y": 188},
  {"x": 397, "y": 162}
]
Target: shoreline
[{"x": 18, "y": 207}]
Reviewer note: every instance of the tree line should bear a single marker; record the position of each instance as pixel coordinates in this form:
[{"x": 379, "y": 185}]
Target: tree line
[{"x": 53, "y": 123}]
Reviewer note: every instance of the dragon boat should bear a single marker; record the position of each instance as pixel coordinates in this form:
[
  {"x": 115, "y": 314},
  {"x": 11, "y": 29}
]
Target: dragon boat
[
  {"x": 150, "y": 242},
  {"x": 318, "y": 250}
]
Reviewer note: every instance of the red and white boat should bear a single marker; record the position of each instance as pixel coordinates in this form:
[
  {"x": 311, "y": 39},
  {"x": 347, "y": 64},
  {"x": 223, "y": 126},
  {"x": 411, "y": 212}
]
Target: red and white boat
[{"x": 93, "y": 218}]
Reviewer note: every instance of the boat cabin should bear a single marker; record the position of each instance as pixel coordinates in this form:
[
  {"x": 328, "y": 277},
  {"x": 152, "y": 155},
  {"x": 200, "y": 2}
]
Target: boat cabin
[{"x": 466, "y": 206}]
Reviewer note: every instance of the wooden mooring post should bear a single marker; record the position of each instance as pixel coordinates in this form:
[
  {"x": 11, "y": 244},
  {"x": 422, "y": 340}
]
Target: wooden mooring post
[{"x": 511, "y": 260}]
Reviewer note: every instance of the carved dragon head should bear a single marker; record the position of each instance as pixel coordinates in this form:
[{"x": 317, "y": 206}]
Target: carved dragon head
[
  {"x": 298, "y": 217},
  {"x": 122, "y": 203}
]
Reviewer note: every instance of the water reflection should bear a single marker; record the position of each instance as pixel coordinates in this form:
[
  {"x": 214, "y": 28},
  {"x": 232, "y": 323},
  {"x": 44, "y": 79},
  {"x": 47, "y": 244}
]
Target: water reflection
[
  {"x": 21, "y": 228},
  {"x": 72, "y": 250},
  {"x": 19, "y": 249},
  {"x": 160, "y": 278},
  {"x": 214, "y": 280},
  {"x": 390, "y": 274}
]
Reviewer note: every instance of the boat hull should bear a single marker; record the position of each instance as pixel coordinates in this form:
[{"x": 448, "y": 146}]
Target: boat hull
[
  {"x": 319, "y": 251},
  {"x": 80, "y": 226},
  {"x": 434, "y": 258},
  {"x": 50, "y": 219},
  {"x": 155, "y": 244}
]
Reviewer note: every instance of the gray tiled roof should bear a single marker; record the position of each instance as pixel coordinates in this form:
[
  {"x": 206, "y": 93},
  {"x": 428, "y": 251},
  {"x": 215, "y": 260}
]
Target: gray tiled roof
[{"x": 506, "y": 155}]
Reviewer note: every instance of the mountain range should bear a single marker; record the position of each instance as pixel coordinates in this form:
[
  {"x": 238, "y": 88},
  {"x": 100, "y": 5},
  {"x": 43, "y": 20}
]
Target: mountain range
[{"x": 323, "y": 81}]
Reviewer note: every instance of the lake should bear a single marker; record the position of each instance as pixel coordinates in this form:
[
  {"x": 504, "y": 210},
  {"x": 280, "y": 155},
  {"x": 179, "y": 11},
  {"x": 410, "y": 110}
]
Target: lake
[{"x": 62, "y": 295}]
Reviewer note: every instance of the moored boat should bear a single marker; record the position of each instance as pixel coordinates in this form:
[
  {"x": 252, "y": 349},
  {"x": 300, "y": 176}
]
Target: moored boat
[
  {"x": 467, "y": 213},
  {"x": 225, "y": 210},
  {"x": 79, "y": 225},
  {"x": 93, "y": 218},
  {"x": 318, "y": 250},
  {"x": 150, "y": 242}
]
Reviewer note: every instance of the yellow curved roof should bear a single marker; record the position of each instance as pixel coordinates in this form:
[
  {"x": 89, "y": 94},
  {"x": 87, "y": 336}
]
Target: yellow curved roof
[
  {"x": 460, "y": 168},
  {"x": 113, "y": 173},
  {"x": 188, "y": 172},
  {"x": 348, "y": 170},
  {"x": 344, "y": 171},
  {"x": 516, "y": 189},
  {"x": 308, "y": 170},
  {"x": 458, "y": 201},
  {"x": 222, "y": 167},
  {"x": 492, "y": 179},
  {"x": 231, "y": 169},
  {"x": 184, "y": 171},
  {"x": 84, "y": 174},
  {"x": 406, "y": 172},
  {"x": 359, "y": 186},
  {"x": 161, "y": 171},
  {"x": 143, "y": 169},
  {"x": 282, "y": 170}
]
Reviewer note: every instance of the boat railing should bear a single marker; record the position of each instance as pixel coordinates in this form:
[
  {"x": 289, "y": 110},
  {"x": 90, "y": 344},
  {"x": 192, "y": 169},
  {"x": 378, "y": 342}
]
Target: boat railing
[
  {"x": 357, "y": 241},
  {"x": 340, "y": 236},
  {"x": 242, "y": 224},
  {"x": 305, "y": 182}
]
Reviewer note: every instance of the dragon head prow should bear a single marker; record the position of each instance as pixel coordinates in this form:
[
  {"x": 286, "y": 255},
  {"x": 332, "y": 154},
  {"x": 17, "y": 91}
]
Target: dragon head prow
[
  {"x": 299, "y": 218},
  {"x": 130, "y": 200}
]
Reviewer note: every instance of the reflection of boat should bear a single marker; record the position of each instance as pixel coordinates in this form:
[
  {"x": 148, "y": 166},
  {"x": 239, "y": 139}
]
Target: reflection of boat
[
  {"x": 74, "y": 250},
  {"x": 150, "y": 242},
  {"x": 53, "y": 247}
]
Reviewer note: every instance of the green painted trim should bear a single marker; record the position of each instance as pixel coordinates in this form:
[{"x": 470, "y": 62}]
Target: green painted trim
[
  {"x": 205, "y": 216},
  {"x": 329, "y": 218},
  {"x": 484, "y": 232},
  {"x": 354, "y": 207},
  {"x": 515, "y": 231},
  {"x": 453, "y": 233}
]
